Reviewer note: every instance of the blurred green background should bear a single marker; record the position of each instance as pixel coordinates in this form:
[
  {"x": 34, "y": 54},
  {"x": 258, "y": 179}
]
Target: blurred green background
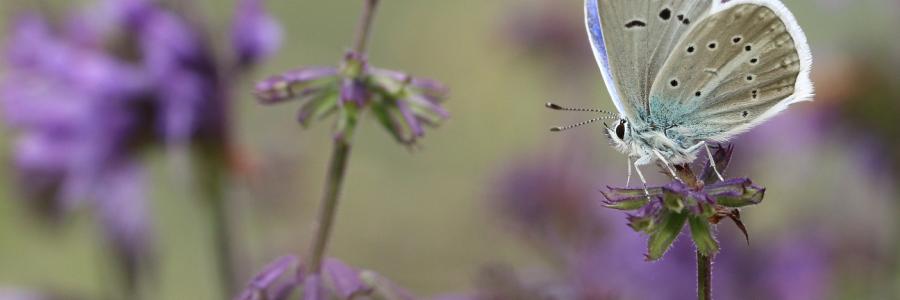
[{"x": 420, "y": 217}]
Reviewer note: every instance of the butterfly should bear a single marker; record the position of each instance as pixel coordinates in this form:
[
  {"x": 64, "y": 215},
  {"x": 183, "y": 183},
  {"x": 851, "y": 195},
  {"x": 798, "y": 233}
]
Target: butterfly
[{"x": 685, "y": 73}]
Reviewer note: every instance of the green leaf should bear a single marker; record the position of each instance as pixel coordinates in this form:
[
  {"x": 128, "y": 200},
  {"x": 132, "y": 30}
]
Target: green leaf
[
  {"x": 639, "y": 224},
  {"x": 702, "y": 235},
  {"x": 389, "y": 122},
  {"x": 670, "y": 226},
  {"x": 628, "y": 193},
  {"x": 632, "y": 204},
  {"x": 346, "y": 123},
  {"x": 751, "y": 196},
  {"x": 673, "y": 202},
  {"x": 318, "y": 105}
]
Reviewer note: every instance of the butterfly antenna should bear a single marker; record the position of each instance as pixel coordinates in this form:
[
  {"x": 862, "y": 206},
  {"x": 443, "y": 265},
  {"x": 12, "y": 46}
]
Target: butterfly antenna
[
  {"x": 561, "y": 128},
  {"x": 555, "y": 106}
]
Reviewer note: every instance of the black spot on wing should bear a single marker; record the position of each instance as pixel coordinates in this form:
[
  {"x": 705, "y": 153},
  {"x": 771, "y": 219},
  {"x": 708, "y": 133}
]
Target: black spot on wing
[
  {"x": 665, "y": 14},
  {"x": 635, "y": 23}
]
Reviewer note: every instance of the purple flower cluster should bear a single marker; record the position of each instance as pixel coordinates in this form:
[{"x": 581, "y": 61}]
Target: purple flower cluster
[
  {"x": 88, "y": 93},
  {"x": 553, "y": 203},
  {"x": 663, "y": 211},
  {"x": 285, "y": 278},
  {"x": 401, "y": 103}
]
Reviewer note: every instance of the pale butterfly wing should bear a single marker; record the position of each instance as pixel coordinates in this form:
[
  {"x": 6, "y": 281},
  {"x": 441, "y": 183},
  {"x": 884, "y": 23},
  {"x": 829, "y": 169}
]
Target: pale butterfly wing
[
  {"x": 742, "y": 64},
  {"x": 632, "y": 39}
]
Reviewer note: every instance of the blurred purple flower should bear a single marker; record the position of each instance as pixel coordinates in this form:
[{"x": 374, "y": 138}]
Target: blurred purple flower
[
  {"x": 545, "y": 30},
  {"x": 551, "y": 201},
  {"x": 401, "y": 103},
  {"x": 283, "y": 277},
  {"x": 271, "y": 284},
  {"x": 255, "y": 34},
  {"x": 86, "y": 99}
]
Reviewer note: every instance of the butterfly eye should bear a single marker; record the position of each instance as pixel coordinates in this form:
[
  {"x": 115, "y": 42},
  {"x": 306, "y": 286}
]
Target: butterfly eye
[{"x": 620, "y": 130}]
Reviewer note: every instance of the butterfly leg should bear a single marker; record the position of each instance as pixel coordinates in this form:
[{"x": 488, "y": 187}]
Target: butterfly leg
[
  {"x": 628, "y": 180},
  {"x": 666, "y": 162},
  {"x": 642, "y": 161},
  {"x": 712, "y": 162}
]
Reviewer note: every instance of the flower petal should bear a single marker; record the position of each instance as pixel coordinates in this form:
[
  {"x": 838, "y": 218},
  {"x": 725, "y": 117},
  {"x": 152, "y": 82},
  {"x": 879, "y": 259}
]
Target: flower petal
[
  {"x": 294, "y": 84},
  {"x": 410, "y": 119},
  {"x": 267, "y": 277},
  {"x": 345, "y": 279}
]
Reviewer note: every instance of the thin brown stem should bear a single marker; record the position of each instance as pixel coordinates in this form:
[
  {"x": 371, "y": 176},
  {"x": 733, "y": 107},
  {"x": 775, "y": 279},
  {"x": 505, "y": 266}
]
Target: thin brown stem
[
  {"x": 365, "y": 26},
  {"x": 328, "y": 208}
]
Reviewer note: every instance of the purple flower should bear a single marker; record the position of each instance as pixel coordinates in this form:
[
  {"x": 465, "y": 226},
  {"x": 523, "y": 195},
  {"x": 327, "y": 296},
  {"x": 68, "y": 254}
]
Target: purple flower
[
  {"x": 401, "y": 103},
  {"x": 544, "y": 197},
  {"x": 663, "y": 211},
  {"x": 254, "y": 33},
  {"x": 271, "y": 283},
  {"x": 545, "y": 30},
  {"x": 283, "y": 277},
  {"x": 87, "y": 99},
  {"x": 550, "y": 201}
]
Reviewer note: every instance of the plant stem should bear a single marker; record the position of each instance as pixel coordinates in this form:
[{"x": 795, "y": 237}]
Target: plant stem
[
  {"x": 704, "y": 277},
  {"x": 340, "y": 155},
  {"x": 365, "y": 26},
  {"x": 338, "y": 166},
  {"x": 704, "y": 263},
  {"x": 214, "y": 177}
]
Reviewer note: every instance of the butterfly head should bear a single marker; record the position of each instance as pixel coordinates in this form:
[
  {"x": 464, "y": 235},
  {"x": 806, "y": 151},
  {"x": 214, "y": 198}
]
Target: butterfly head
[{"x": 620, "y": 134}]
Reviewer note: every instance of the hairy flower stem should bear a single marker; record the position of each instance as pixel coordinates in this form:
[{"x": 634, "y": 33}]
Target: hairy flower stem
[
  {"x": 704, "y": 276},
  {"x": 338, "y": 167},
  {"x": 213, "y": 190},
  {"x": 704, "y": 263}
]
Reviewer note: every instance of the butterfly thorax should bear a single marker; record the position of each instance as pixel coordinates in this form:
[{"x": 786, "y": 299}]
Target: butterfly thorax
[{"x": 639, "y": 141}]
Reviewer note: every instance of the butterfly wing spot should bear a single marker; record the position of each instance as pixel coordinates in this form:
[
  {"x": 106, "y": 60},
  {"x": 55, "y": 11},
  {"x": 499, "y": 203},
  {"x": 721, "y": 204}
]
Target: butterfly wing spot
[
  {"x": 686, "y": 21},
  {"x": 665, "y": 14},
  {"x": 730, "y": 87},
  {"x": 674, "y": 83},
  {"x": 635, "y": 23}
]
